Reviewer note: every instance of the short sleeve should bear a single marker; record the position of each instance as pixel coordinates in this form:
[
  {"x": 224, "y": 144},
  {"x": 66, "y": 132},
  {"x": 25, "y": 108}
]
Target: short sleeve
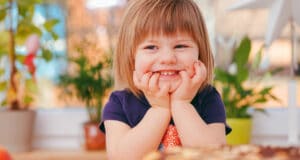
[
  {"x": 214, "y": 109},
  {"x": 113, "y": 111}
]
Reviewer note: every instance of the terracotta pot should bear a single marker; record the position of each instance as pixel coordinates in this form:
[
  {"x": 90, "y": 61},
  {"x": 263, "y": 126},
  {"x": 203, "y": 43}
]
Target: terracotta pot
[{"x": 94, "y": 138}]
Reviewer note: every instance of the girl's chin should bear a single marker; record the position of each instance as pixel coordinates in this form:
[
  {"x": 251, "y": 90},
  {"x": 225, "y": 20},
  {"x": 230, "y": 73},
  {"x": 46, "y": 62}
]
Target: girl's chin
[{"x": 173, "y": 85}]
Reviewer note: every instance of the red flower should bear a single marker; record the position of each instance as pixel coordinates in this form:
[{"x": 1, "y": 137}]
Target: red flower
[{"x": 28, "y": 62}]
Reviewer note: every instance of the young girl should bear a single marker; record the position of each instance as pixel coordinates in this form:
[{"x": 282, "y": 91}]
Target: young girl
[{"x": 163, "y": 69}]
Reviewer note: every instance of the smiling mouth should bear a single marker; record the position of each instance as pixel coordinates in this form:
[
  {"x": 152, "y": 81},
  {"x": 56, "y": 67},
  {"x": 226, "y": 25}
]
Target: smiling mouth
[{"x": 168, "y": 73}]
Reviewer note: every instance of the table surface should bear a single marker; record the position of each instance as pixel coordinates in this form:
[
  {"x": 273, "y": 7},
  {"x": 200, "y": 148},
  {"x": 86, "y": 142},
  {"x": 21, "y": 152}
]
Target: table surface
[{"x": 60, "y": 155}]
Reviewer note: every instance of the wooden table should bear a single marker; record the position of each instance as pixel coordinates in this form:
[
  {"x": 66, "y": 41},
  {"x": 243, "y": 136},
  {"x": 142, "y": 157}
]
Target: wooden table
[{"x": 60, "y": 155}]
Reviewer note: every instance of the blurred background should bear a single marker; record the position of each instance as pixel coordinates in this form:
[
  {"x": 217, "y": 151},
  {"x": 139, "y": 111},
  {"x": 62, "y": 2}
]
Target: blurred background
[{"x": 90, "y": 27}]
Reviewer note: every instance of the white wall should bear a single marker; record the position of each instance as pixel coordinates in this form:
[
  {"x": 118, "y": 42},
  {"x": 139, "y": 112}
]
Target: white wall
[
  {"x": 273, "y": 127},
  {"x": 61, "y": 128}
]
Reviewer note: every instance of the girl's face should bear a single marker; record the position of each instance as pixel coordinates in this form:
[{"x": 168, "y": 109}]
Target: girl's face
[{"x": 166, "y": 55}]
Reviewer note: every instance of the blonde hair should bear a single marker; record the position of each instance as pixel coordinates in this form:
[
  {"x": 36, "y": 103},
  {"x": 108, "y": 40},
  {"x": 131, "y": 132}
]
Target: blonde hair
[{"x": 154, "y": 17}]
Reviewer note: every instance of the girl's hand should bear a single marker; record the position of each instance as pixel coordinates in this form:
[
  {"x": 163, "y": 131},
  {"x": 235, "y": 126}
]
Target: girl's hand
[
  {"x": 189, "y": 84},
  {"x": 148, "y": 83}
]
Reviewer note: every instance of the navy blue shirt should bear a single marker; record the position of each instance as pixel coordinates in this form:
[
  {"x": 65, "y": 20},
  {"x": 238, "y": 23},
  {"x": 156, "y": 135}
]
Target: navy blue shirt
[{"x": 124, "y": 106}]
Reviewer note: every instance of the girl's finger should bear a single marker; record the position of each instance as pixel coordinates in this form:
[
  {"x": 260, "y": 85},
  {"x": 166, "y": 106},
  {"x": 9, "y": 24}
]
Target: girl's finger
[
  {"x": 200, "y": 72},
  {"x": 164, "y": 90},
  {"x": 153, "y": 82},
  {"x": 145, "y": 80},
  {"x": 184, "y": 76}
]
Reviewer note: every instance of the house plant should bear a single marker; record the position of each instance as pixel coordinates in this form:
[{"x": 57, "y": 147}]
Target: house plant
[
  {"x": 238, "y": 95},
  {"x": 89, "y": 82},
  {"x": 17, "y": 84}
]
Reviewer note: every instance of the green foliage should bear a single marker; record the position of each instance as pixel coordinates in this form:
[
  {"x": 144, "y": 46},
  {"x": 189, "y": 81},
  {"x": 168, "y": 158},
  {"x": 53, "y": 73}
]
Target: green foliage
[
  {"x": 89, "y": 83},
  {"x": 17, "y": 17},
  {"x": 236, "y": 94}
]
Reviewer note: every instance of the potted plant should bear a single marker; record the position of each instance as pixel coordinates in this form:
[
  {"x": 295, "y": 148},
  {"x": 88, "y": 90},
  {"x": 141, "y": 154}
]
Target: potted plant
[
  {"x": 17, "y": 82},
  {"x": 90, "y": 83},
  {"x": 238, "y": 95}
]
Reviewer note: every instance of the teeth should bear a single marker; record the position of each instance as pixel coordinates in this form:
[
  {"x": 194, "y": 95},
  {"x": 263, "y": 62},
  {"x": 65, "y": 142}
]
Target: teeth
[{"x": 167, "y": 73}]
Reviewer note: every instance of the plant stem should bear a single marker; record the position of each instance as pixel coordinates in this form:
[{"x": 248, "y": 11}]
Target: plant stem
[
  {"x": 90, "y": 110},
  {"x": 13, "y": 90}
]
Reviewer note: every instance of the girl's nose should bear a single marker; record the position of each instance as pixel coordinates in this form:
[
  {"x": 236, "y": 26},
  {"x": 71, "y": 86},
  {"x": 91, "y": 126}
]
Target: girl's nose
[{"x": 167, "y": 56}]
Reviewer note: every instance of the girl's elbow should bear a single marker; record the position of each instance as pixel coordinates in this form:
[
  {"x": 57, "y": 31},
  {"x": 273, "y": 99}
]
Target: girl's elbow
[
  {"x": 218, "y": 141},
  {"x": 223, "y": 142}
]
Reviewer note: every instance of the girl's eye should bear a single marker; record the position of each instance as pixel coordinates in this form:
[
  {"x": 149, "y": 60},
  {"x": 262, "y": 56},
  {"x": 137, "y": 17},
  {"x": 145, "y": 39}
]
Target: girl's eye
[
  {"x": 181, "y": 46},
  {"x": 151, "y": 47}
]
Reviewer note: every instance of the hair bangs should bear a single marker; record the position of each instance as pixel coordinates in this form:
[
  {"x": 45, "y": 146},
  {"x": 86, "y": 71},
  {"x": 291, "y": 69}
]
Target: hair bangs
[{"x": 166, "y": 19}]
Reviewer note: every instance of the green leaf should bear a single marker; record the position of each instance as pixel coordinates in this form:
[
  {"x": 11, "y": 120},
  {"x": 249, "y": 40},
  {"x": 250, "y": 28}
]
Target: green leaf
[
  {"x": 54, "y": 35},
  {"x": 46, "y": 54},
  {"x": 3, "y": 50},
  {"x": 275, "y": 98},
  {"x": 3, "y": 86},
  {"x": 242, "y": 112},
  {"x": 260, "y": 110},
  {"x": 223, "y": 76},
  {"x": 26, "y": 25},
  {"x": 2, "y": 14},
  {"x": 2, "y": 71},
  {"x": 27, "y": 3},
  {"x": 49, "y": 24},
  {"x": 3, "y": 2},
  {"x": 265, "y": 90},
  {"x": 31, "y": 86},
  {"x": 28, "y": 99},
  {"x": 20, "y": 58},
  {"x": 276, "y": 70},
  {"x": 26, "y": 11},
  {"x": 24, "y": 30},
  {"x": 4, "y": 42},
  {"x": 242, "y": 74},
  {"x": 257, "y": 59},
  {"x": 261, "y": 100},
  {"x": 4, "y": 103},
  {"x": 242, "y": 53}
]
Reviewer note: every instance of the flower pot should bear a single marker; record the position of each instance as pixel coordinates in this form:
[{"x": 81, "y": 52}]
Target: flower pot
[
  {"x": 94, "y": 138},
  {"x": 241, "y": 131},
  {"x": 16, "y": 129}
]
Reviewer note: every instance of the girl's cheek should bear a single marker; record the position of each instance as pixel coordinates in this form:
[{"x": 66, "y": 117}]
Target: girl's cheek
[
  {"x": 141, "y": 70},
  {"x": 139, "y": 66}
]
